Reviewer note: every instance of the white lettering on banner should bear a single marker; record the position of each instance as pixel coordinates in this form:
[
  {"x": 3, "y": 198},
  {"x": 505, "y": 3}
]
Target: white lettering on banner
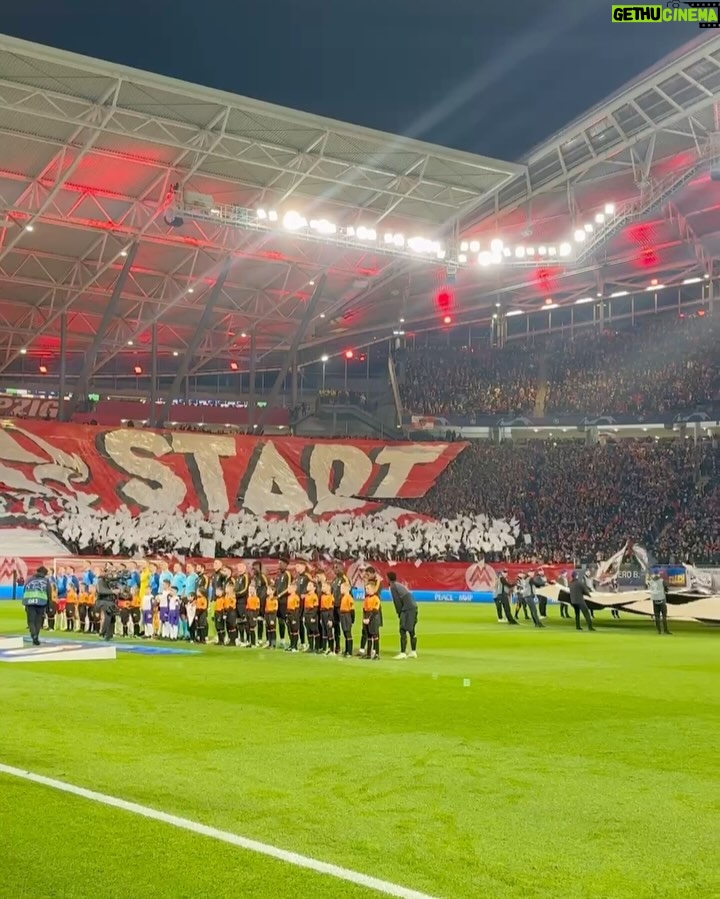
[
  {"x": 357, "y": 470},
  {"x": 206, "y": 453},
  {"x": 154, "y": 486},
  {"x": 29, "y": 407},
  {"x": 400, "y": 461},
  {"x": 273, "y": 486}
]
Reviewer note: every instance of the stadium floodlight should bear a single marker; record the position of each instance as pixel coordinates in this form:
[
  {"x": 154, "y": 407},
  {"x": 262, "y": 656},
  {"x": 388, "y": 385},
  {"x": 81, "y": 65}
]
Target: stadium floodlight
[
  {"x": 542, "y": 251},
  {"x": 175, "y": 353},
  {"x": 584, "y": 300},
  {"x": 692, "y": 280},
  {"x": 323, "y": 226},
  {"x": 464, "y": 246},
  {"x": 599, "y": 218},
  {"x": 462, "y": 259},
  {"x": 618, "y": 293},
  {"x": 609, "y": 209},
  {"x": 552, "y": 251},
  {"x": 243, "y": 335},
  {"x": 272, "y": 215},
  {"x": 123, "y": 253},
  {"x": 398, "y": 240},
  {"x": 520, "y": 252},
  {"x": 550, "y": 306},
  {"x": 485, "y": 258},
  {"x": 130, "y": 343},
  {"x": 580, "y": 235},
  {"x": 440, "y": 253},
  {"x": 23, "y": 352},
  {"x": 565, "y": 249},
  {"x": 364, "y": 233},
  {"x": 388, "y": 238},
  {"x": 262, "y": 214},
  {"x": 496, "y": 245},
  {"x": 656, "y": 287},
  {"x": 29, "y": 227},
  {"x": 507, "y": 252},
  {"x": 293, "y": 221},
  {"x": 514, "y": 312},
  {"x": 191, "y": 290},
  {"x": 588, "y": 227},
  {"x": 530, "y": 251},
  {"x": 474, "y": 246},
  {"x": 350, "y": 232}
]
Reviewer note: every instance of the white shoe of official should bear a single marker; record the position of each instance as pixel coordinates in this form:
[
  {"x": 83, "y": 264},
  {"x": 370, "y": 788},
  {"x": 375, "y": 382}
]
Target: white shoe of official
[
  {"x": 413, "y": 654},
  {"x": 401, "y": 655}
]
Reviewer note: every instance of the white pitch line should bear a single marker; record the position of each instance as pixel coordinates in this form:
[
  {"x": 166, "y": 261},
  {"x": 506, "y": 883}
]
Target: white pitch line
[{"x": 290, "y": 858}]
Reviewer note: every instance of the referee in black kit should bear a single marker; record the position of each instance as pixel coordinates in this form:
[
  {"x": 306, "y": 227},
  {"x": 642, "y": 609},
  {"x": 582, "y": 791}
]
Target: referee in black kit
[{"x": 407, "y": 611}]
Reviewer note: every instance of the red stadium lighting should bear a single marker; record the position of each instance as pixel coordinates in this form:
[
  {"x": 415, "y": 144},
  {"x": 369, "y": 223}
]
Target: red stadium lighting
[
  {"x": 138, "y": 370},
  {"x": 233, "y": 366},
  {"x": 363, "y": 357},
  {"x": 701, "y": 313},
  {"x": 444, "y": 300},
  {"x": 43, "y": 369},
  {"x": 349, "y": 354}
]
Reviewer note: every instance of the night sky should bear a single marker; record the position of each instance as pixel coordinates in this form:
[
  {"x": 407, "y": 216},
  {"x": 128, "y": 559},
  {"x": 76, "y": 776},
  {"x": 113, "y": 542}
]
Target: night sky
[{"x": 492, "y": 78}]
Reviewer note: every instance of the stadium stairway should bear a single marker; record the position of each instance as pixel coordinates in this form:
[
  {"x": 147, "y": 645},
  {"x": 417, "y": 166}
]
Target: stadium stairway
[{"x": 338, "y": 420}]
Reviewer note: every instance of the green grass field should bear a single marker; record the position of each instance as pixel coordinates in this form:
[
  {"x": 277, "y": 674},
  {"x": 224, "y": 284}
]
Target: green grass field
[{"x": 573, "y": 765}]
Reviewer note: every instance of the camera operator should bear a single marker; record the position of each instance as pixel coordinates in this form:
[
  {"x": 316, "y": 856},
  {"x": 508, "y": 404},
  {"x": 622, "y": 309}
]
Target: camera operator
[{"x": 107, "y": 592}]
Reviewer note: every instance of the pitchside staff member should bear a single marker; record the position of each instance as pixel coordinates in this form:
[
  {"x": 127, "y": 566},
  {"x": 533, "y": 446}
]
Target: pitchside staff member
[
  {"x": 504, "y": 590},
  {"x": 105, "y": 604},
  {"x": 36, "y": 598},
  {"x": 578, "y": 591},
  {"x": 658, "y": 595},
  {"x": 407, "y": 611}
]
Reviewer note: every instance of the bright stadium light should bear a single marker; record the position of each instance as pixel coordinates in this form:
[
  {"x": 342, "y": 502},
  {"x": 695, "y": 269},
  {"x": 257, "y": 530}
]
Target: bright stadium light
[
  {"x": 552, "y": 251},
  {"x": 589, "y": 228},
  {"x": 398, "y": 240},
  {"x": 565, "y": 249},
  {"x": 520, "y": 252},
  {"x": 462, "y": 259},
  {"x": 323, "y": 226},
  {"x": 656, "y": 287},
  {"x": 474, "y": 246},
  {"x": 580, "y": 235},
  {"x": 324, "y": 359},
  {"x": 272, "y": 215},
  {"x": 692, "y": 280},
  {"x": 29, "y": 227},
  {"x": 507, "y": 252},
  {"x": 262, "y": 214},
  {"x": 293, "y": 221},
  {"x": 485, "y": 258},
  {"x": 497, "y": 246},
  {"x": 618, "y": 293},
  {"x": 364, "y": 233},
  {"x": 609, "y": 209},
  {"x": 23, "y": 352},
  {"x": 530, "y": 251},
  {"x": 464, "y": 246},
  {"x": 542, "y": 251},
  {"x": 584, "y": 300},
  {"x": 599, "y": 218},
  {"x": 514, "y": 312},
  {"x": 388, "y": 238}
]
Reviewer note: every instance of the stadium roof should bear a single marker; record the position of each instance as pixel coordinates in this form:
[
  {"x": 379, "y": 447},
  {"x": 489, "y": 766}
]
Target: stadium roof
[
  {"x": 91, "y": 153},
  {"x": 94, "y": 157}
]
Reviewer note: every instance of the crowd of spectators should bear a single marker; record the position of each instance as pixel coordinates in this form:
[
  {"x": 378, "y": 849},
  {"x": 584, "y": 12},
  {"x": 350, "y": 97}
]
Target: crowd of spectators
[
  {"x": 467, "y": 382},
  {"x": 664, "y": 364},
  {"x": 661, "y": 366},
  {"x": 579, "y": 502}
]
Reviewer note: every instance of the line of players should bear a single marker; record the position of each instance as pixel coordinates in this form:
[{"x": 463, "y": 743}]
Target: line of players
[{"x": 307, "y": 611}]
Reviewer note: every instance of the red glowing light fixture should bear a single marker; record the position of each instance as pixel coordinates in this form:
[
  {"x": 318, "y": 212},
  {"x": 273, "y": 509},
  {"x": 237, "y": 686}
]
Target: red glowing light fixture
[
  {"x": 233, "y": 366},
  {"x": 548, "y": 301},
  {"x": 701, "y": 313},
  {"x": 349, "y": 354},
  {"x": 444, "y": 299},
  {"x": 363, "y": 357},
  {"x": 138, "y": 369}
]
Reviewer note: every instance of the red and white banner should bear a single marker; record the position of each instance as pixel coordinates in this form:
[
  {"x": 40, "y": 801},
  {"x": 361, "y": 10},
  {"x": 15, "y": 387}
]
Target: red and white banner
[
  {"x": 28, "y": 407},
  {"x": 177, "y": 471}
]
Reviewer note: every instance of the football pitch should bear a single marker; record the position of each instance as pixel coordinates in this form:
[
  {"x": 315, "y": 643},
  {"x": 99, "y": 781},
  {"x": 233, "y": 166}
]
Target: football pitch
[{"x": 503, "y": 762}]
